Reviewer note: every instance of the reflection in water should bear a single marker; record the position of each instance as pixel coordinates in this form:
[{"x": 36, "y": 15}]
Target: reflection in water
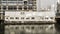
[
  {"x": 30, "y": 29},
  {"x": 57, "y": 27}
]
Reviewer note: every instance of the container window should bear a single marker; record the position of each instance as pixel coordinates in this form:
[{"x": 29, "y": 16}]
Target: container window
[
  {"x": 25, "y": 7},
  {"x": 20, "y": 7},
  {"x": 30, "y": 7},
  {"x": 25, "y": 2},
  {"x": 4, "y": 7},
  {"x": 12, "y": 8},
  {"x": 17, "y": 17},
  {"x": 33, "y": 18},
  {"x": 11, "y": 17},
  {"x": 22, "y": 17}
]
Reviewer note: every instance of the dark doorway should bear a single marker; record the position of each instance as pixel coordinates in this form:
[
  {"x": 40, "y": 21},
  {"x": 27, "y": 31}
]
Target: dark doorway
[{"x": 1, "y": 26}]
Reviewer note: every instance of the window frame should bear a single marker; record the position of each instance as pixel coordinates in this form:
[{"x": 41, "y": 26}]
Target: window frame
[
  {"x": 11, "y": 17},
  {"x": 12, "y": 7}
]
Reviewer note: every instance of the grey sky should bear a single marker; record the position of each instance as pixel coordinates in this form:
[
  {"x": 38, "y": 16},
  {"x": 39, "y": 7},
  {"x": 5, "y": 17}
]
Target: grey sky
[{"x": 45, "y": 3}]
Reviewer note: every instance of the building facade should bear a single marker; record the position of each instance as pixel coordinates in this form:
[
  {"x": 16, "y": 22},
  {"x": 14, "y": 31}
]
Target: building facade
[
  {"x": 16, "y": 12},
  {"x": 28, "y": 10}
]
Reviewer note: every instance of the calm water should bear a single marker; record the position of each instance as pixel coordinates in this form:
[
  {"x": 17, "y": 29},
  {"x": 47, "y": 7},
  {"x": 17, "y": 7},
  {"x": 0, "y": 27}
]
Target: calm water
[{"x": 42, "y": 30}]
